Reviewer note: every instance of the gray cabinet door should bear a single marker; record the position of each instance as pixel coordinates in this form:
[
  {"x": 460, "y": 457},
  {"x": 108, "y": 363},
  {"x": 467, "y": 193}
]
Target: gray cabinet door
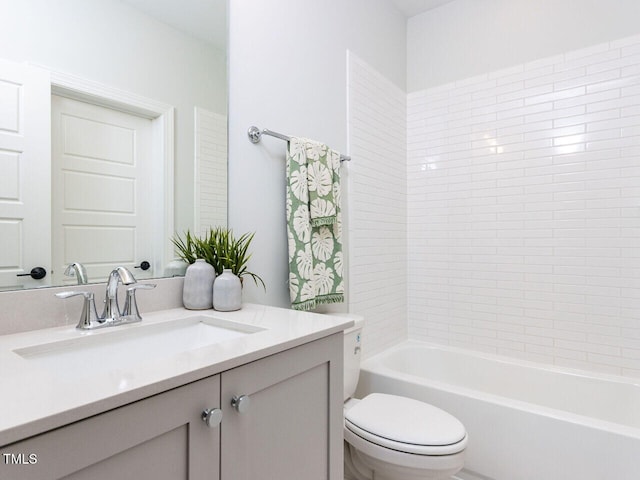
[
  {"x": 292, "y": 427},
  {"x": 161, "y": 437}
]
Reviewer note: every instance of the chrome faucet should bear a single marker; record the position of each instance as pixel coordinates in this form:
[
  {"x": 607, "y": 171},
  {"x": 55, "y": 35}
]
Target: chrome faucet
[
  {"x": 111, "y": 315},
  {"x": 112, "y": 310},
  {"x": 77, "y": 269}
]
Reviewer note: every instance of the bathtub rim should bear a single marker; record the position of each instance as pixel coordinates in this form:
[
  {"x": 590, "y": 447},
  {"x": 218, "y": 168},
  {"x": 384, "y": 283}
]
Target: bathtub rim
[{"x": 375, "y": 365}]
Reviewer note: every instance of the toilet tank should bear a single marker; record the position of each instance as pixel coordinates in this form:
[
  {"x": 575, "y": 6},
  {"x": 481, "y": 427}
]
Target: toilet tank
[{"x": 352, "y": 349}]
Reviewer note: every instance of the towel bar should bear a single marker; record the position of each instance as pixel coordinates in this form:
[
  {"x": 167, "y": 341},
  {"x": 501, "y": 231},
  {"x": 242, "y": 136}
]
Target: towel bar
[{"x": 255, "y": 134}]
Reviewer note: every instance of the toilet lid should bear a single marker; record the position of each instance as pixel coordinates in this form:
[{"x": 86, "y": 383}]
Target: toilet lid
[{"x": 404, "y": 421}]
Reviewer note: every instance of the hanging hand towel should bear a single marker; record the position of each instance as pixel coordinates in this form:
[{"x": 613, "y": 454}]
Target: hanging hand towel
[{"x": 314, "y": 224}]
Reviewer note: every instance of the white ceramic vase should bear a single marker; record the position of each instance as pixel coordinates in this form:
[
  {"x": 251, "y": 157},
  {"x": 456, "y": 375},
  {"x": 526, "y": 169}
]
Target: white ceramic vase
[
  {"x": 198, "y": 286},
  {"x": 227, "y": 292},
  {"x": 176, "y": 268}
]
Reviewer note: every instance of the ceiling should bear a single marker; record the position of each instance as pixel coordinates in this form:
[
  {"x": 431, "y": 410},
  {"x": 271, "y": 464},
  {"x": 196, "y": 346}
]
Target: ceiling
[
  {"x": 414, "y": 7},
  {"x": 206, "y": 20}
]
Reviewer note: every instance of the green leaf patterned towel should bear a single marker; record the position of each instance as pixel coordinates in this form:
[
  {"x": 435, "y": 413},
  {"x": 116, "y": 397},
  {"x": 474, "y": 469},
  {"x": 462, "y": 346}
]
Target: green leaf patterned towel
[{"x": 314, "y": 224}]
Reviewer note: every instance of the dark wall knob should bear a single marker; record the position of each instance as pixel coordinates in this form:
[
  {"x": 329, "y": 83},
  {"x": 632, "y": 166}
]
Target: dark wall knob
[
  {"x": 37, "y": 273},
  {"x": 144, "y": 265}
]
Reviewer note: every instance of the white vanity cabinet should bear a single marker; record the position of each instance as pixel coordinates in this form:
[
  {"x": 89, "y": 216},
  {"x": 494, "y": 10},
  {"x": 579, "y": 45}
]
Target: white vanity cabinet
[{"x": 288, "y": 425}]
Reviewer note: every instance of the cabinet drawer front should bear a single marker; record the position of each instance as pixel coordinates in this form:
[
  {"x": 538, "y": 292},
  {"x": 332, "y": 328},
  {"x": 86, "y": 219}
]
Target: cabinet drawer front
[{"x": 161, "y": 437}]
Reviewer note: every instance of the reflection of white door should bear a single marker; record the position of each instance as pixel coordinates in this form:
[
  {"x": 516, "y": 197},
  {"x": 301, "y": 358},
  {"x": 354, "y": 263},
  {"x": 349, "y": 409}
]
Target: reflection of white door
[
  {"x": 101, "y": 205},
  {"x": 25, "y": 181}
]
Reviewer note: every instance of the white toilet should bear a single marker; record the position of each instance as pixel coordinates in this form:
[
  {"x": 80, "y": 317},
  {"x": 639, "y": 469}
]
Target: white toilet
[{"x": 389, "y": 437}]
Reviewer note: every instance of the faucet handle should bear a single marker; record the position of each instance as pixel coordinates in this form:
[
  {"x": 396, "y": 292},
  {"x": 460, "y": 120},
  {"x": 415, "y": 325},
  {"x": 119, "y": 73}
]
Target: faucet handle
[
  {"x": 74, "y": 294},
  {"x": 89, "y": 315},
  {"x": 131, "y": 305}
]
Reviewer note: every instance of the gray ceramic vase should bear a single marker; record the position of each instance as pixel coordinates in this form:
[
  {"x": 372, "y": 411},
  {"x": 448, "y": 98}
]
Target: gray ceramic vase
[
  {"x": 198, "y": 286},
  {"x": 227, "y": 292}
]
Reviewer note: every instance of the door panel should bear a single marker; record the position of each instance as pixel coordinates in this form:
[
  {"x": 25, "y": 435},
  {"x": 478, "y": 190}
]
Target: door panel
[
  {"x": 25, "y": 174},
  {"x": 161, "y": 457},
  {"x": 102, "y": 159},
  {"x": 292, "y": 428}
]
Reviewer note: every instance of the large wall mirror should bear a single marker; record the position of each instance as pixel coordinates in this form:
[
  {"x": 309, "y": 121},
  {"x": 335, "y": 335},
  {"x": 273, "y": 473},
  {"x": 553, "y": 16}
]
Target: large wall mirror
[{"x": 113, "y": 134}]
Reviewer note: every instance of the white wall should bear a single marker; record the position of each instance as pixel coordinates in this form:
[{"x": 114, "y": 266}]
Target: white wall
[
  {"x": 109, "y": 42},
  {"x": 523, "y": 201},
  {"x": 288, "y": 74},
  {"x": 470, "y": 37}
]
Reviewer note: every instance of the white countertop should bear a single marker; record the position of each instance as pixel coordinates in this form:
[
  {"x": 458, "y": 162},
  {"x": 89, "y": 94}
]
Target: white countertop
[{"x": 34, "y": 399}]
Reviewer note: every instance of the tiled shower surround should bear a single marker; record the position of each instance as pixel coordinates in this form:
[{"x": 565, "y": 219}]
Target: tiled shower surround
[
  {"x": 523, "y": 210},
  {"x": 377, "y": 206}
]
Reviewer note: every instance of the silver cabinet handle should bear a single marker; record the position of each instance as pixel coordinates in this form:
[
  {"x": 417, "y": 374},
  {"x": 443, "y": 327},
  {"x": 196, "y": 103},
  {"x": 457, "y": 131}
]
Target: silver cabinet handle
[
  {"x": 241, "y": 403},
  {"x": 212, "y": 417}
]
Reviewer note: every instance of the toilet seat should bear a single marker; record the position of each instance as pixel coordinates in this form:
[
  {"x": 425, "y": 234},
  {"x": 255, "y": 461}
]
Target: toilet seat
[{"x": 406, "y": 425}]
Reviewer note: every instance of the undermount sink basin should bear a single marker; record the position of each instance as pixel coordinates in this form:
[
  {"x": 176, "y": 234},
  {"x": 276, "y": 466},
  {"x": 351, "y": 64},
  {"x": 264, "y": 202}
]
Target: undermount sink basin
[{"x": 128, "y": 346}]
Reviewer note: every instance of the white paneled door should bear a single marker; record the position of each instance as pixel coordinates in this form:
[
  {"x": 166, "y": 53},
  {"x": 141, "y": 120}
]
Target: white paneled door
[
  {"x": 102, "y": 214},
  {"x": 25, "y": 175}
]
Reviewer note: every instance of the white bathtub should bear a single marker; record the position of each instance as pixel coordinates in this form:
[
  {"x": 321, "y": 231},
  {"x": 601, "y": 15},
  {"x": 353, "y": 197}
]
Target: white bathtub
[{"x": 524, "y": 421}]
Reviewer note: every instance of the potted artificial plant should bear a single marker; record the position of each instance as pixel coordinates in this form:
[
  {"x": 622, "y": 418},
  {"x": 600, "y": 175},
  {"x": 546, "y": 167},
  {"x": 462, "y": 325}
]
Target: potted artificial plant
[{"x": 221, "y": 249}]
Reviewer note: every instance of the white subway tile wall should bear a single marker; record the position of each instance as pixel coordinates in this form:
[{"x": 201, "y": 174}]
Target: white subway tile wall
[
  {"x": 377, "y": 206},
  {"x": 523, "y": 214},
  {"x": 211, "y": 170}
]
